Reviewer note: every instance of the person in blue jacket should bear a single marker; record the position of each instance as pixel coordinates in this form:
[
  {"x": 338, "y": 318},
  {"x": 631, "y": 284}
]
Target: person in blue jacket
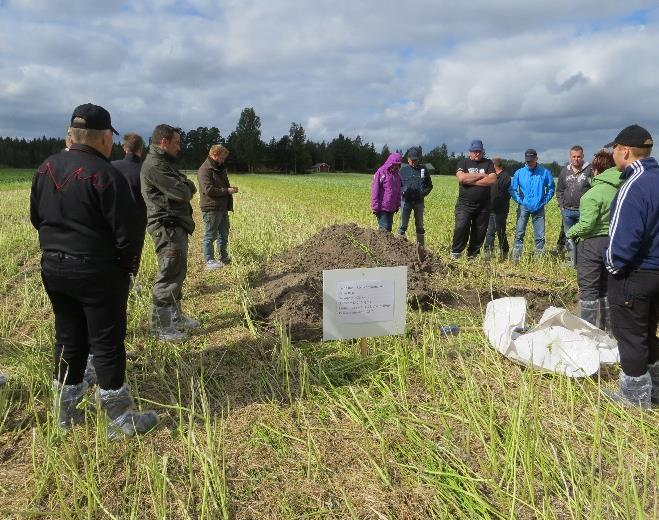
[
  {"x": 632, "y": 260},
  {"x": 532, "y": 188}
]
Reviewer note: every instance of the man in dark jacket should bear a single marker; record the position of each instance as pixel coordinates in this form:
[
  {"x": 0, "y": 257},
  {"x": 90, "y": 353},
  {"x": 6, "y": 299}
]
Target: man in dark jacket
[
  {"x": 475, "y": 175},
  {"x": 130, "y": 167},
  {"x": 500, "y": 206},
  {"x": 167, "y": 194},
  {"x": 417, "y": 184},
  {"x": 632, "y": 260},
  {"x": 85, "y": 216},
  {"x": 573, "y": 181},
  {"x": 215, "y": 201}
]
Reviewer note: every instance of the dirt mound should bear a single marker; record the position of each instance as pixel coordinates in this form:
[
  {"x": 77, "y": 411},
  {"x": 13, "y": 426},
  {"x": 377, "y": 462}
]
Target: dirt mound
[{"x": 289, "y": 289}]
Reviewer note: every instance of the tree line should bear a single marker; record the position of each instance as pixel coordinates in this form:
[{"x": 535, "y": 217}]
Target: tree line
[{"x": 291, "y": 153}]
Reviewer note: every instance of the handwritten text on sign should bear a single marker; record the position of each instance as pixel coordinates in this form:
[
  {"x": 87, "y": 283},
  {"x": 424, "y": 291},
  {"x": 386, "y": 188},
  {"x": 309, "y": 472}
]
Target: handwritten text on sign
[{"x": 365, "y": 301}]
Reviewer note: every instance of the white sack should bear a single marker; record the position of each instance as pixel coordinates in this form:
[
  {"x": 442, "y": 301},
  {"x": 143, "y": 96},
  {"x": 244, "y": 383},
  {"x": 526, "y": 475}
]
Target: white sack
[{"x": 561, "y": 342}]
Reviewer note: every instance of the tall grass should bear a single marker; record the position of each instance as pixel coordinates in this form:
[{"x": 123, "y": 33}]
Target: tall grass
[{"x": 254, "y": 426}]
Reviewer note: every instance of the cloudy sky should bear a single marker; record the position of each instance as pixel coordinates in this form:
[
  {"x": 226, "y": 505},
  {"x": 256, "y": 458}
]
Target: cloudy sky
[{"x": 544, "y": 74}]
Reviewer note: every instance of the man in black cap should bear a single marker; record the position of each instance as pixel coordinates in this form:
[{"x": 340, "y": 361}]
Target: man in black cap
[
  {"x": 632, "y": 260},
  {"x": 85, "y": 216},
  {"x": 475, "y": 175},
  {"x": 417, "y": 184},
  {"x": 167, "y": 194}
]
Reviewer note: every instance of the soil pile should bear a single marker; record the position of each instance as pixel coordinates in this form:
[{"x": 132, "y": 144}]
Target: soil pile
[{"x": 289, "y": 289}]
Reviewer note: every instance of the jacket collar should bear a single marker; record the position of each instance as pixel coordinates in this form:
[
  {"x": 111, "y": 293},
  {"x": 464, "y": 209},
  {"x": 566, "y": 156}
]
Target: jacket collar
[
  {"x": 641, "y": 164},
  {"x": 133, "y": 157},
  {"x": 88, "y": 149},
  {"x": 159, "y": 152}
]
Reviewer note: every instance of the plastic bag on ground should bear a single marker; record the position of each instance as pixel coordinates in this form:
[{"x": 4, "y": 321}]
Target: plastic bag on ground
[{"x": 561, "y": 342}]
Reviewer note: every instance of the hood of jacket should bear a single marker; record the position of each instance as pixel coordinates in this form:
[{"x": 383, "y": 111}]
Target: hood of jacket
[{"x": 611, "y": 176}]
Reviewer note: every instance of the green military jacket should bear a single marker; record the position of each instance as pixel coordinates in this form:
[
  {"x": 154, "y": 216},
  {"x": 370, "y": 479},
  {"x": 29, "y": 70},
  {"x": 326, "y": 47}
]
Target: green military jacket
[{"x": 167, "y": 192}]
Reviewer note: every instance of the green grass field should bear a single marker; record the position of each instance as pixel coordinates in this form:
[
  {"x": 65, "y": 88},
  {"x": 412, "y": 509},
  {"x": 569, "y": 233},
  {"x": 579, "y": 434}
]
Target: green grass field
[{"x": 256, "y": 427}]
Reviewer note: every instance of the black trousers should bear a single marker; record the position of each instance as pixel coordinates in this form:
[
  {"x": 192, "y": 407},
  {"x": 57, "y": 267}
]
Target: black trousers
[
  {"x": 471, "y": 219},
  {"x": 497, "y": 225},
  {"x": 89, "y": 299},
  {"x": 634, "y": 308},
  {"x": 592, "y": 276}
]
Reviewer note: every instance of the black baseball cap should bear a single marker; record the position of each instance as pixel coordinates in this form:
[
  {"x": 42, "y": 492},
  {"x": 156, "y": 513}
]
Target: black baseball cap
[
  {"x": 92, "y": 117},
  {"x": 414, "y": 153},
  {"x": 633, "y": 135},
  {"x": 530, "y": 154}
]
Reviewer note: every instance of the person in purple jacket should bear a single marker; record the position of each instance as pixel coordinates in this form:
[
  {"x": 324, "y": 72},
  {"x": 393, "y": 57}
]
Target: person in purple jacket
[{"x": 386, "y": 191}]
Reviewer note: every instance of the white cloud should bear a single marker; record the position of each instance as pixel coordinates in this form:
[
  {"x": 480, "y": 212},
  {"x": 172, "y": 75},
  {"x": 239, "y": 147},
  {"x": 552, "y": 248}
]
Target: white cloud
[{"x": 546, "y": 74}]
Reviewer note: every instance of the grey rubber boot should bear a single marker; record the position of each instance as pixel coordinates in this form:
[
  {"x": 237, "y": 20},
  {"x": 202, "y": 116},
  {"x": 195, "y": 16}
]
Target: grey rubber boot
[
  {"x": 162, "y": 326},
  {"x": 90, "y": 372},
  {"x": 66, "y": 401},
  {"x": 604, "y": 321},
  {"x": 125, "y": 420},
  {"x": 181, "y": 321},
  {"x": 3, "y": 380},
  {"x": 589, "y": 311},
  {"x": 654, "y": 376},
  {"x": 420, "y": 246},
  {"x": 634, "y": 391}
]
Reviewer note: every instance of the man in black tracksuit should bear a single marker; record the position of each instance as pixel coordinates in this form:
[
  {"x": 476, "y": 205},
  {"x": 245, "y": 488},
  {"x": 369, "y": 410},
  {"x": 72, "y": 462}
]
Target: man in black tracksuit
[
  {"x": 472, "y": 210},
  {"x": 85, "y": 215}
]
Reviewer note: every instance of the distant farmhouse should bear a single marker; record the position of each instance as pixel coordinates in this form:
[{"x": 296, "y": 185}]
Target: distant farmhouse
[{"x": 320, "y": 167}]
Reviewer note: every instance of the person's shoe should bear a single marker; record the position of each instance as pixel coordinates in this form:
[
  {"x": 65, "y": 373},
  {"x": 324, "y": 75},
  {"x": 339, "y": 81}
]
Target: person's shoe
[
  {"x": 589, "y": 310},
  {"x": 225, "y": 261},
  {"x": 163, "y": 327},
  {"x": 90, "y": 372},
  {"x": 400, "y": 235},
  {"x": 487, "y": 254},
  {"x": 654, "y": 377},
  {"x": 170, "y": 335},
  {"x": 67, "y": 398},
  {"x": 213, "y": 265},
  {"x": 181, "y": 321},
  {"x": 634, "y": 391},
  {"x": 3, "y": 380},
  {"x": 125, "y": 420},
  {"x": 455, "y": 256}
]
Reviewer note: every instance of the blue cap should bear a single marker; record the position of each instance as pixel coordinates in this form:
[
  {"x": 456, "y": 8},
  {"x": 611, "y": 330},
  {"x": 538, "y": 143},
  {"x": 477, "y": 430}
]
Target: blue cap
[{"x": 476, "y": 146}]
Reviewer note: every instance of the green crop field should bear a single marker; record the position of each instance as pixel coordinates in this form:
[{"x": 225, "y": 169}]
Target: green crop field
[{"x": 254, "y": 426}]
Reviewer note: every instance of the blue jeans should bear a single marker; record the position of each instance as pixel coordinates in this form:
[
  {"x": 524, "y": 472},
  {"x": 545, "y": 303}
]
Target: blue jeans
[
  {"x": 406, "y": 209},
  {"x": 216, "y": 227},
  {"x": 385, "y": 220},
  {"x": 538, "y": 222},
  {"x": 570, "y": 218}
]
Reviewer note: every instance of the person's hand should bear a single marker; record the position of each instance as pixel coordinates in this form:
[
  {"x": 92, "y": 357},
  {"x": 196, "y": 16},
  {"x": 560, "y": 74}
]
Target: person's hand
[{"x": 232, "y": 190}]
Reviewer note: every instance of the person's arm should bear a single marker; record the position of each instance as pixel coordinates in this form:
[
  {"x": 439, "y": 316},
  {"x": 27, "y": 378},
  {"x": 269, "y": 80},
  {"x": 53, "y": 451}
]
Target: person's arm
[
  {"x": 34, "y": 201},
  {"x": 560, "y": 189},
  {"x": 172, "y": 184},
  {"x": 549, "y": 187},
  {"x": 467, "y": 178},
  {"x": 488, "y": 180},
  {"x": 589, "y": 212},
  {"x": 206, "y": 185},
  {"x": 375, "y": 193},
  {"x": 514, "y": 189},
  {"x": 427, "y": 184},
  {"x": 626, "y": 229}
]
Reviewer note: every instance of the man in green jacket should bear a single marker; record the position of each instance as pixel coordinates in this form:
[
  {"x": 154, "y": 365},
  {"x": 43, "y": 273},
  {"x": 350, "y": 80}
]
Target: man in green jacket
[
  {"x": 592, "y": 232},
  {"x": 167, "y": 194}
]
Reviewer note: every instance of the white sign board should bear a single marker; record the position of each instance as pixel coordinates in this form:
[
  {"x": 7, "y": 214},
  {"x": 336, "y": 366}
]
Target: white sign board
[{"x": 359, "y": 303}]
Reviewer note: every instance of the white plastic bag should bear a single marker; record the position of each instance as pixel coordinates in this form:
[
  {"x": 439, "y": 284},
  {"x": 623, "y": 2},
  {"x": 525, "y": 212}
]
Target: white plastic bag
[{"x": 561, "y": 342}]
